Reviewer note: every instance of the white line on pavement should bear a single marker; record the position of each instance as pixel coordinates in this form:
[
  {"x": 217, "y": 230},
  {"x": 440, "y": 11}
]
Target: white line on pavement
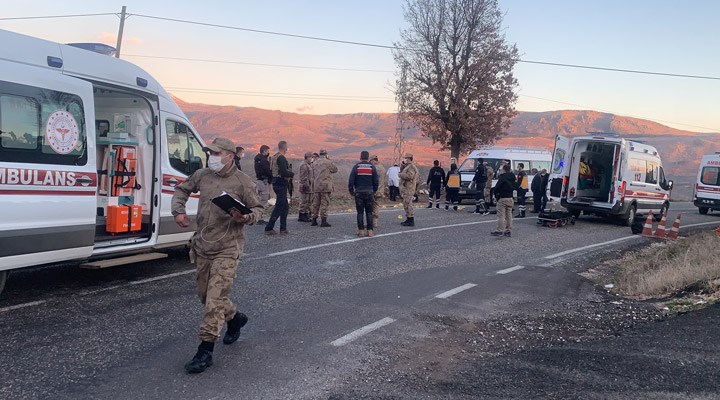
[
  {"x": 445, "y": 295},
  {"x": 140, "y": 282},
  {"x": 592, "y": 246},
  {"x": 362, "y": 331},
  {"x": 23, "y": 305},
  {"x": 509, "y": 270},
  {"x": 700, "y": 224}
]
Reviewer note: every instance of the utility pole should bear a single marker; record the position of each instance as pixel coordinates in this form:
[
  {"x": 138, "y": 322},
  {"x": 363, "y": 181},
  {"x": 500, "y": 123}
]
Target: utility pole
[
  {"x": 120, "y": 32},
  {"x": 401, "y": 97}
]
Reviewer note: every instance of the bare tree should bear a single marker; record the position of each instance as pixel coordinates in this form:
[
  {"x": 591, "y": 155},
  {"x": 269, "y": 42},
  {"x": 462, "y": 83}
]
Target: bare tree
[{"x": 460, "y": 85}]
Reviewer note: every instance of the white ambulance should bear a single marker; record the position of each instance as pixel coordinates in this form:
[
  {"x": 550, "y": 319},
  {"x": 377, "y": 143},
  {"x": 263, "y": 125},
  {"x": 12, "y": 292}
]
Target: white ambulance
[
  {"x": 707, "y": 188},
  {"x": 91, "y": 148},
  {"x": 530, "y": 157},
  {"x": 606, "y": 175}
]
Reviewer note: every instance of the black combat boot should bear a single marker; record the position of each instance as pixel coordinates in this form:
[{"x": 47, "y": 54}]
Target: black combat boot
[
  {"x": 410, "y": 221},
  {"x": 304, "y": 217},
  {"x": 233, "y": 328},
  {"x": 314, "y": 222},
  {"x": 324, "y": 223},
  {"x": 202, "y": 359}
]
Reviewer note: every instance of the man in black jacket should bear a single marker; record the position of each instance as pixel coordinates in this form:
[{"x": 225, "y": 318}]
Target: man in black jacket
[
  {"x": 521, "y": 191},
  {"x": 478, "y": 182},
  {"x": 543, "y": 188},
  {"x": 537, "y": 194},
  {"x": 362, "y": 184},
  {"x": 435, "y": 182},
  {"x": 504, "y": 193},
  {"x": 281, "y": 173}
]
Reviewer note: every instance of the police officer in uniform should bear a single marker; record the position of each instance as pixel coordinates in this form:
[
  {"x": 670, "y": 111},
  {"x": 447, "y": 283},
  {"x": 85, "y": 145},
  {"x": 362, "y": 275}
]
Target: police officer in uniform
[
  {"x": 217, "y": 245},
  {"x": 305, "y": 181},
  {"x": 408, "y": 183},
  {"x": 323, "y": 169},
  {"x": 382, "y": 176}
]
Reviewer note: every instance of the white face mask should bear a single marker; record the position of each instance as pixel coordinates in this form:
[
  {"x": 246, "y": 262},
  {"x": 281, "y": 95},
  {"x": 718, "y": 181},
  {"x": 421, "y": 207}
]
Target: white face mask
[{"x": 215, "y": 163}]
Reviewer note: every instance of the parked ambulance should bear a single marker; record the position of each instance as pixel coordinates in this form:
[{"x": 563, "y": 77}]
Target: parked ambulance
[
  {"x": 91, "y": 148},
  {"x": 530, "y": 157},
  {"x": 606, "y": 175},
  {"x": 707, "y": 187}
]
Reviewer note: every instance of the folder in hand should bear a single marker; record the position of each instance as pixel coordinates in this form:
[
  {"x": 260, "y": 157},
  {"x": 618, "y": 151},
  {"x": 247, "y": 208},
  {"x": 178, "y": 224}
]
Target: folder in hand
[{"x": 227, "y": 203}]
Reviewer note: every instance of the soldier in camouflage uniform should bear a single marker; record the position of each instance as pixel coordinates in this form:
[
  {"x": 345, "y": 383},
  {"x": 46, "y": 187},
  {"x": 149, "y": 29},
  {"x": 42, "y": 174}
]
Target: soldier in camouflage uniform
[
  {"x": 322, "y": 169},
  {"x": 382, "y": 175},
  {"x": 488, "y": 185},
  {"x": 408, "y": 183},
  {"x": 217, "y": 245},
  {"x": 305, "y": 180}
]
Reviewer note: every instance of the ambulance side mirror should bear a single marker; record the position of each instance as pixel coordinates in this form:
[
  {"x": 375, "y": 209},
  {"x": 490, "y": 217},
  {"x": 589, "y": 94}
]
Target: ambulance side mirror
[{"x": 670, "y": 184}]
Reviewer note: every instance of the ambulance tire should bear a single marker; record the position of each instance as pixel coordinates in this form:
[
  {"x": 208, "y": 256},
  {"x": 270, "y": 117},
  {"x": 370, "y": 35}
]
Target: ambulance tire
[
  {"x": 703, "y": 210},
  {"x": 629, "y": 217},
  {"x": 663, "y": 210},
  {"x": 3, "y": 279}
]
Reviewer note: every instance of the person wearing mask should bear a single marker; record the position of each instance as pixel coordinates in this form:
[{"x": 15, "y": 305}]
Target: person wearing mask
[
  {"x": 536, "y": 186},
  {"x": 281, "y": 173},
  {"x": 305, "y": 182},
  {"x": 263, "y": 175},
  {"x": 239, "y": 154},
  {"x": 217, "y": 245},
  {"x": 408, "y": 184},
  {"x": 521, "y": 191},
  {"x": 322, "y": 169},
  {"x": 478, "y": 182},
  {"x": 435, "y": 182},
  {"x": 363, "y": 182},
  {"x": 378, "y": 193},
  {"x": 452, "y": 188},
  {"x": 506, "y": 185},
  {"x": 393, "y": 179}
]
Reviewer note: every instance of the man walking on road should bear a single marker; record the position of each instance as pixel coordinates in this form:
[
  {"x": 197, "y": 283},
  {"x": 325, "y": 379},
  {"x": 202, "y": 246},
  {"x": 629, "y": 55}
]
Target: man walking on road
[
  {"x": 504, "y": 193},
  {"x": 323, "y": 169},
  {"x": 408, "y": 183},
  {"x": 263, "y": 175},
  {"x": 305, "y": 181},
  {"x": 217, "y": 245},
  {"x": 379, "y": 193},
  {"x": 362, "y": 185},
  {"x": 435, "y": 182},
  {"x": 281, "y": 174}
]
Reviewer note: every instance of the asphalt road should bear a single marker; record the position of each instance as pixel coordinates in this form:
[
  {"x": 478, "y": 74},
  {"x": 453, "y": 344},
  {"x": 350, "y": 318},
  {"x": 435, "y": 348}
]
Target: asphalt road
[{"x": 332, "y": 316}]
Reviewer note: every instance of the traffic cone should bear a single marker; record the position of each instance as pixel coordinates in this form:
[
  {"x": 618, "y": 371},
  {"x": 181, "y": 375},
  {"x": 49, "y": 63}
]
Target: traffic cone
[
  {"x": 648, "y": 227},
  {"x": 675, "y": 230},
  {"x": 660, "y": 231}
]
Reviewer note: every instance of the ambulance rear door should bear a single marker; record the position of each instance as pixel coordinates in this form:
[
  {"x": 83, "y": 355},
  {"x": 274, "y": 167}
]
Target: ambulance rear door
[{"x": 560, "y": 168}]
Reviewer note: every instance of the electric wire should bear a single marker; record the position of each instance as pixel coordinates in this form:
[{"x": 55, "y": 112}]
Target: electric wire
[{"x": 55, "y": 16}]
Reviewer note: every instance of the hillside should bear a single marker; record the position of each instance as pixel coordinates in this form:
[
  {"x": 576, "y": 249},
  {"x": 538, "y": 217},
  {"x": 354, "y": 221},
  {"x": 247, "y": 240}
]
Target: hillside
[{"x": 345, "y": 135}]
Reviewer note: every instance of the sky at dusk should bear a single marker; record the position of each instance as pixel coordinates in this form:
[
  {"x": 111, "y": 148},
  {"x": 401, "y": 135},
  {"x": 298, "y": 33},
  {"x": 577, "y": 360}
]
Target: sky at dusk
[{"x": 316, "y": 77}]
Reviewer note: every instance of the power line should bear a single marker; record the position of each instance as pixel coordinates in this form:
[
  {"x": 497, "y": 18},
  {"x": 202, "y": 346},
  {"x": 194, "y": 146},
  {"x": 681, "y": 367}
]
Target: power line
[
  {"x": 258, "y": 64},
  {"x": 281, "y": 95},
  {"x": 614, "y": 113},
  {"x": 55, "y": 16},
  {"x": 630, "y": 71}
]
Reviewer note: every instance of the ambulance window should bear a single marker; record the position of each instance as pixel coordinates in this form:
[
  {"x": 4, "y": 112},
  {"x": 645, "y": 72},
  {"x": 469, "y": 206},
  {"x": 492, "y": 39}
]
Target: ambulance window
[
  {"x": 41, "y": 126},
  {"x": 558, "y": 161},
  {"x": 526, "y": 165},
  {"x": 540, "y": 165},
  {"x": 651, "y": 173},
  {"x": 710, "y": 176},
  {"x": 184, "y": 150}
]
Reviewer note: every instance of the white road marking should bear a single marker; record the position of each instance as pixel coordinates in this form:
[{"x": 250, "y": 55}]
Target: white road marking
[
  {"x": 140, "y": 282},
  {"x": 509, "y": 270},
  {"x": 362, "y": 331},
  {"x": 700, "y": 224},
  {"x": 592, "y": 246},
  {"x": 445, "y": 295},
  {"x": 23, "y": 305}
]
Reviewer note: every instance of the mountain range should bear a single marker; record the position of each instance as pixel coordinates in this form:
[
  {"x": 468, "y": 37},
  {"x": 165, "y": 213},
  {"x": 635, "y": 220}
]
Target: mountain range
[{"x": 345, "y": 135}]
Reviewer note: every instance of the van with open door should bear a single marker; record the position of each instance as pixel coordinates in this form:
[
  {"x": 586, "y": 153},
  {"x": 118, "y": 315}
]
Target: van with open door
[
  {"x": 91, "y": 148},
  {"x": 706, "y": 196},
  {"x": 607, "y": 175}
]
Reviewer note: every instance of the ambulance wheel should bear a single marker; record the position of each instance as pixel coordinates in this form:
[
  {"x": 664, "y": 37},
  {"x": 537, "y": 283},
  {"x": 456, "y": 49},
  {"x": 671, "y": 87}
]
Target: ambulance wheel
[
  {"x": 703, "y": 210},
  {"x": 659, "y": 215},
  {"x": 3, "y": 279},
  {"x": 629, "y": 216}
]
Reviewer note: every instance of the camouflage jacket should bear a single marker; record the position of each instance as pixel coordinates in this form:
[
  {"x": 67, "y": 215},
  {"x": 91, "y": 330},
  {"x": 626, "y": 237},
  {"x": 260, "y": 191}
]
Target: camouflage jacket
[
  {"x": 490, "y": 175},
  {"x": 322, "y": 175},
  {"x": 382, "y": 175},
  {"x": 217, "y": 235},
  {"x": 305, "y": 178},
  {"x": 408, "y": 178}
]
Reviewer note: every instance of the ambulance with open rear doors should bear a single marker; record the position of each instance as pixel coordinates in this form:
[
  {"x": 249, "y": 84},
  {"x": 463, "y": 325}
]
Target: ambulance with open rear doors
[{"x": 91, "y": 148}]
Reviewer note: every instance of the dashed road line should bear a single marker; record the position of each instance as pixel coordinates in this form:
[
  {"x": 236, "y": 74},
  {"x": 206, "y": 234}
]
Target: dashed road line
[
  {"x": 509, "y": 270},
  {"x": 361, "y": 332},
  {"x": 451, "y": 292},
  {"x": 139, "y": 282},
  {"x": 23, "y": 305}
]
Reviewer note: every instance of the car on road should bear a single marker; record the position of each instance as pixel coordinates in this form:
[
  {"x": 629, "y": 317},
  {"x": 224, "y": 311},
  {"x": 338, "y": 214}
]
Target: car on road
[{"x": 706, "y": 195}]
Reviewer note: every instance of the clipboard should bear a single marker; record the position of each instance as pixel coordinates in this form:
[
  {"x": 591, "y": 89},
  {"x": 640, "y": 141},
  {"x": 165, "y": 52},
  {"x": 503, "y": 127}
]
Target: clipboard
[{"x": 227, "y": 203}]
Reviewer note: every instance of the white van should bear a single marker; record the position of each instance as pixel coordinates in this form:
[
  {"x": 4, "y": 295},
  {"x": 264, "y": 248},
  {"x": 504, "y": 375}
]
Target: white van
[
  {"x": 530, "y": 157},
  {"x": 91, "y": 148},
  {"x": 707, "y": 187},
  {"x": 607, "y": 175}
]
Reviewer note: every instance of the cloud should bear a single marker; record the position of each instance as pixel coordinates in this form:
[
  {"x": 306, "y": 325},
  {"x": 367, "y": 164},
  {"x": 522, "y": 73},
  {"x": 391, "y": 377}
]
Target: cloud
[
  {"x": 304, "y": 109},
  {"x": 111, "y": 39}
]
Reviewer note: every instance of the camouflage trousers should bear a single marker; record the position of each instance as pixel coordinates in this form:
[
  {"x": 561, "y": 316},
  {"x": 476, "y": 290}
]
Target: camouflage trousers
[
  {"x": 376, "y": 211},
  {"x": 305, "y": 203},
  {"x": 408, "y": 204},
  {"x": 320, "y": 204},
  {"x": 214, "y": 286},
  {"x": 486, "y": 193}
]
